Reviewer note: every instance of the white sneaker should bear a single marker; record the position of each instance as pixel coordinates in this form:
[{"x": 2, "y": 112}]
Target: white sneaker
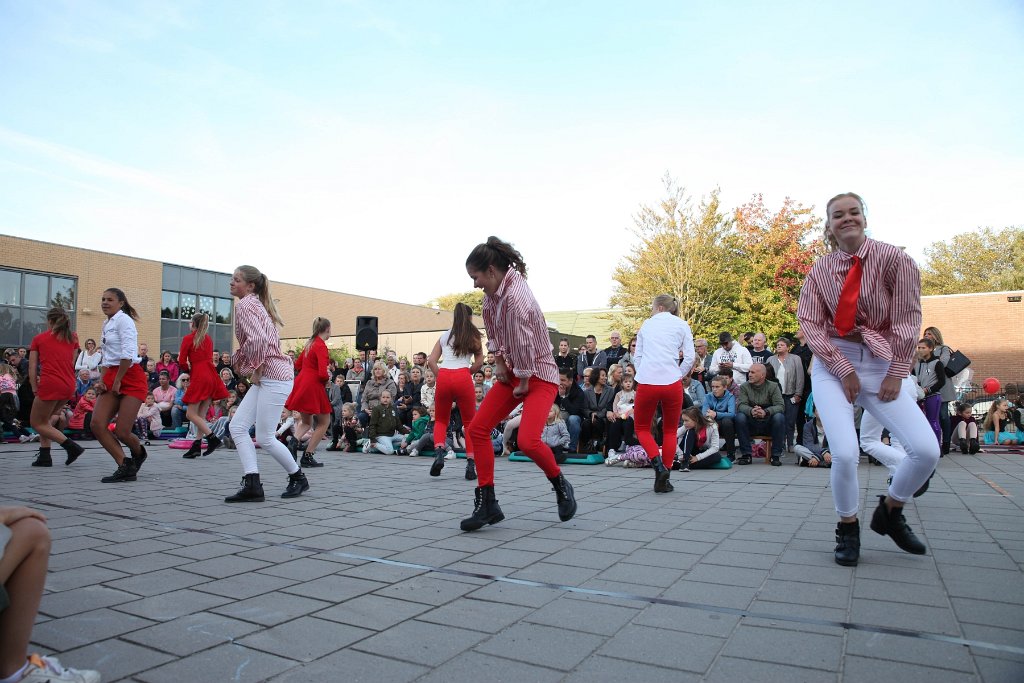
[
  {"x": 413, "y": 452},
  {"x": 612, "y": 453},
  {"x": 24, "y": 438},
  {"x": 366, "y": 447},
  {"x": 49, "y": 670},
  {"x": 450, "y": 455}
]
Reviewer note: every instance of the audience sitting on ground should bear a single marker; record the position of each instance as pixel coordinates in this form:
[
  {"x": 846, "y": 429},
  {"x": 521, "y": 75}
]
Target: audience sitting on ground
[
  {"x": 81, "y": 416},
  {"x": 178, "y": 408},
  {"x": 695, "y": 390},
  {"x": 164, "y": 394},
  {"x": 760, "y": 411},
  {"x": 699, "y": 443},
  {"x": 385, "y": 427},
  {"x": 428, "y": 389},
  {"x": 148, "y": 424},
  {"x": 379, "y": 383},
  {"x": 1001, "y": 424},
  {"x": 556, "y": 435},
  {"x": 965, "y": 429}
]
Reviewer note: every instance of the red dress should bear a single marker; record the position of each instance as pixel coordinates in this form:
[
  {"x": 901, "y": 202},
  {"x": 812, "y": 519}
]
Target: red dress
[
  {"x": 309, "y": 394},
  {"x": 205, "y": 383},
  {"x": 56, "y": 366}
]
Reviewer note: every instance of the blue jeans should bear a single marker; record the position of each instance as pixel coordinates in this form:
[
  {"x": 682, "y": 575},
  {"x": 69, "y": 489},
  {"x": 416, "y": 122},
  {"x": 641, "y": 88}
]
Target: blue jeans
[
  {"x": 388, "y": 444},
  {"x": 774, "y": 425},
  {"x": 574, "y": 425}
]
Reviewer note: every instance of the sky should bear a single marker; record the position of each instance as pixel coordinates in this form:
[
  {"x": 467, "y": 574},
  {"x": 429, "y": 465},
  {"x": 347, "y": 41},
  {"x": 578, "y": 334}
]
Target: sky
[{"x": 366, "y": 147}]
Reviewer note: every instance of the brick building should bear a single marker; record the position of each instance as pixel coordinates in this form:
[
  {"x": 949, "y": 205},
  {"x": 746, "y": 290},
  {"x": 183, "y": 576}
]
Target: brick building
[
  {"x": 34, "y": 275},
  {"x": 987, "y": 327}
]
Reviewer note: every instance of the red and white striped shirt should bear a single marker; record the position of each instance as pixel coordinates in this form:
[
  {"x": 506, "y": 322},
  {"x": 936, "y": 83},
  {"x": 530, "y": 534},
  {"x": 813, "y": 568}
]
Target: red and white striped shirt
[
  {"x": 258, "y": 342},
  {"x": 516, "y": 329},
  {"x": 888, "y": 309}
]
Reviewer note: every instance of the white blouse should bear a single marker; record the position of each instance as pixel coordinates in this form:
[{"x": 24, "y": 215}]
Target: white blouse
[{"x": 120, "y": 340}]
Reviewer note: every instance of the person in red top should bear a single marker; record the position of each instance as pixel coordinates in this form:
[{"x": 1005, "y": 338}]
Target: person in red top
[
  {"x": 51, "y": 371},
  {"x": 309, "y": 394},
  {"x": 518, "y": 337},
  {"x": 270, "y": 372},
  {"x": 205, "y": 387},
  {"x": 863, "y": 339}
]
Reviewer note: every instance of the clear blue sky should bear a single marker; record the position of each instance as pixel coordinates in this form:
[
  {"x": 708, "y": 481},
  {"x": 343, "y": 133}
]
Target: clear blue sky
[{"x": 367, "y": 146}]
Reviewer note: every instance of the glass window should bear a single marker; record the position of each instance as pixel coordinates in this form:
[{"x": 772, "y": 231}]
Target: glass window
[
  {"x": 223, "y": 315},
  {"x": 223, "y": 284},
  {"x": 207, "y": 282},
  {"x": 10, "y": 325},
  {"x": 171, "y": 334},
  {"x": 206, "y": 305},
  {"x": 33, "y": 321},
  {"x": 188, "y": 306},
  {"x": 62, "y": 293},
  {"x": 37, "y": 290},
  {"x": 189, "y": 280},
  {"x": 222, "y": 337},
  {"x": 169, "y": 306},
  {"x": 172, "y": 277},
  {"x": 10, "y": 288}
]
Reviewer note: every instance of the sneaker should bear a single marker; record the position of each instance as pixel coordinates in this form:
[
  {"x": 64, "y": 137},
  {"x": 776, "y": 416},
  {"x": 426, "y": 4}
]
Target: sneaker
[
  {"x": 413, "y": 453},
  {"x": 50, "y": 670},
  {"x": 450, "y": 455},
  {"x": 613, "y": 459},
  {"x": 744, "y": 460},
  {"x": 34, "y": 437},
  {"x": 611, "y": 453},
  {"x": 24, "y": 438},
  {"x": 366, "y": 447}
]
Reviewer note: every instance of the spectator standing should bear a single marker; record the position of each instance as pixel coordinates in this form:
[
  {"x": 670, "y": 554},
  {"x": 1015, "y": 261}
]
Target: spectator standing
[
  {"x": 564, "y": 358},
  {"x": 615, "y": 352},
  {"x": 90, "y": 359},
  {"x": 731, "y": 358},
  {"x": 590, "y": 356},
  {"x": 799, "y": 349},
  {"x": 948, "y": 390},
  {"x": 931, "y": 377}
]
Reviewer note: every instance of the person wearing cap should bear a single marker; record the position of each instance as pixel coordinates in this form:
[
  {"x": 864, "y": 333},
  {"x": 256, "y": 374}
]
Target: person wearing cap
[{"x": 731, "y": 358}]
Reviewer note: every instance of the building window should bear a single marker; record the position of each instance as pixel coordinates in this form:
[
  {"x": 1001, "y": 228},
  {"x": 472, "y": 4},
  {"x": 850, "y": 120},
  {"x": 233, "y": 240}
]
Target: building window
[
  {"x": 187, "y": 291},
  {"x": 25, "y": 298}
]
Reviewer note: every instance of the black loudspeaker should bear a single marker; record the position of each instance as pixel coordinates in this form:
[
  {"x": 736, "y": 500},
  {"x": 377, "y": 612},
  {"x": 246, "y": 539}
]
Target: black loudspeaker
[{"x": 366, "y": 332}]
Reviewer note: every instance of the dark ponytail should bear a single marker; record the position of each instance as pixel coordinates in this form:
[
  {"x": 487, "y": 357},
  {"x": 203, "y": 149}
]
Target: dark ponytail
[
  {"x": 495, "y": 252},
  {"x": 126, "y": 307}
]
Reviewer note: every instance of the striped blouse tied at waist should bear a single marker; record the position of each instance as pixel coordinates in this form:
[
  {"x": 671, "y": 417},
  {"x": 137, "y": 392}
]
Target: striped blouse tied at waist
[
  {"x": 258, "y": 343},
  {"x": 888, "y": 311},
  {"x": 516, "y": 329}
]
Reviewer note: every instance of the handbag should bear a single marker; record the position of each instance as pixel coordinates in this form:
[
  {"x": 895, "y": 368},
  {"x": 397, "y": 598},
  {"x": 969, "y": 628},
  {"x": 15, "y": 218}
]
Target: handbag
[{"x": 958, "y": 362}]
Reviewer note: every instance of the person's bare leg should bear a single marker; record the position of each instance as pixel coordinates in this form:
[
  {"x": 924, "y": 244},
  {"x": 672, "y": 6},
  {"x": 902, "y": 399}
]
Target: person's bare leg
[
  {"x": 106, "y": 406},
  {"x": 196, "y": 414},
  {"x": 322, "y": 422},
  {"x": 40, "y": 419},
  {"x": 23, "y": 574},
  {"x": 127, "y": 412}
]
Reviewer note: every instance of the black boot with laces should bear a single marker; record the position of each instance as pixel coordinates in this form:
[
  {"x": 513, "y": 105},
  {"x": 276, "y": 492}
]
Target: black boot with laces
[
  {"x": 893, "y": 524},
  {"x": 565, "y": 496},
  {"x": 194, "y": 450},
  {"x": 125, "y": 472},
  {"x": 309, "y": 461},
  {"x": 661, "y": 476},
  {"x": 297, "y": 483},
  {"x": 485, "y": 509},
  {"x": 251, "y": 491}
]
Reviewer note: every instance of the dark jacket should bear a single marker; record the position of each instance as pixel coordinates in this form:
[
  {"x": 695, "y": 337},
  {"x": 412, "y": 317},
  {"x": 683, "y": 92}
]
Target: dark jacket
[
  {"x": 599, "y": 404},
  {"x": 574, "y": 403}
]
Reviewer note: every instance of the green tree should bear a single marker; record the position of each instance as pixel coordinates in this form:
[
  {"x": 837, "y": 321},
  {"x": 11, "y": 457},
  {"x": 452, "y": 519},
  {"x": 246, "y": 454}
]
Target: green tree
[
  {"x": 687, "y": 251},
  {"x": 986, "y": 260},
  {"x": 779, "y": 248},
  {"x": 474, "y": 299}
]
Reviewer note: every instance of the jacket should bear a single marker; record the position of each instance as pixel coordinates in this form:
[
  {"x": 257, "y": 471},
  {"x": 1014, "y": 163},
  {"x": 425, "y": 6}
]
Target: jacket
[
  {"x": 767, "y": 395},
  {"x": 723, "y": 407},
  {"x": 383, "y": 421}
]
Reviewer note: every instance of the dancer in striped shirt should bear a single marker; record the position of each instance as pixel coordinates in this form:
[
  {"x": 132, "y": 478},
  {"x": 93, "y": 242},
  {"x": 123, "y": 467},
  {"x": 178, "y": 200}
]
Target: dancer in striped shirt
[
  {"x": 525, "y": 372},
  {"x": 864, "y": 340},
  {"x": 270, "y": 372}
]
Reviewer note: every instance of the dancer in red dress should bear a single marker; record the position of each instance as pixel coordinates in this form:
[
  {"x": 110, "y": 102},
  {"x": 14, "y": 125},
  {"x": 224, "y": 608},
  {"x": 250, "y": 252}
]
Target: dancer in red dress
[
  {"x": 462, "y": 351},
  {"x": 309, "y": 394},
  {"x": 51, "y": 371},
  {"x": 526, "y": 373},
  {"x": 205, "y": 387}
]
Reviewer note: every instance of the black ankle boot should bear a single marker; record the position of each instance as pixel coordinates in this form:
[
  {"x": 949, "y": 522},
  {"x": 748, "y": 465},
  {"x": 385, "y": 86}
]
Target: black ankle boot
[
  {"x": 72, "y": 449},
  {"x": 438, "y": 464},
  {"x": 848, "y": 543},
  {"x": 213, "y": 442},
  {"x": 139, "y": 458},
  {"x": 485, "y": 509},
  {"x": 194, "y": 450},
  {"x": 309, "y": 461},
  {"x": 43, "y": 459},
  {"x": 470, "y": 470},
  {"x": 893, "y": 524},
  {"x": 975, "y": 446},
  {"x": 565, "y": 496},
  {"x": 125, "y": 472},
  {"x": 924, "y": 487},
  {"x": 293, "y": 447},
  {"x": 964, "y": 445},
  {"x": 297, "y": 483},
  {"x": 251, "y": 491},
  {"x": 661, "y": 476}
]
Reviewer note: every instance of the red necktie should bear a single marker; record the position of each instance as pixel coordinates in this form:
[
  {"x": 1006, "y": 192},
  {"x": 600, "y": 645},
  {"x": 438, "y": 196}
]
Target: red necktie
[{"x": 846, "y": 311}]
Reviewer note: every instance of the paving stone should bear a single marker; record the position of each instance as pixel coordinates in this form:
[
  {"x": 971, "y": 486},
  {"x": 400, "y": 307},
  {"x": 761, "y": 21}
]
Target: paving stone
[
  {"x": 373, "y": 612},
  {"x": 84, "y": 599},
  {"x": 601, "y": 669},
  {"x": 689, "y": 620},
  {"x": 732, "y": 669},
  {"x": 352, "y": 666},
  {"x": 271, "y": 608},
  {"x": 61, "y": 635},
  {"x": 584, "y": 615},
  {"x": 904, "y": 616},
  {"x": 429, "y": 590},
  {"x": 79, "y": 577},
  {"x": 334, "y": 588},
  {"x": 999, "y": 670},
  {"x": 420, "y": 643},
  {"x": 1006, "y": 615},
  {"x": 171, "y": 605},
  {"x": 555, "y": 648},
  {"x": 669, "y": 649},
  {"x": 191, "y": 633},
  {"x": 805, "y": 593},
  {"x": 865, "y": 669},
  {"x": 305, "y": 638},
  {"x": 228, "y": 662},
  {"x": 909, "y": 650},
  {"x": 778, "y": 645},
  {"x": 476, "y": 666},
  {"x": 476, "y": 615},
  {"x": 115, "y": 658}
]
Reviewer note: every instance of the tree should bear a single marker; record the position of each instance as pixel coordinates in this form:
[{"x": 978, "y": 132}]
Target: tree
[
  {"x": 474, "y": 299},
  {"x": 983, "y": 261},
  {"x": 778, "y": 251},
  {"x": 691, "y": 253}
]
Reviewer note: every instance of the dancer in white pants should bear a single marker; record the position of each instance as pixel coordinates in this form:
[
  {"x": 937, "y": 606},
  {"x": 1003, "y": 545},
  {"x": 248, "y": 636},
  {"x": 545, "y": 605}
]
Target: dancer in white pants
[
  {"x": 271, "y": 374},
  {"x": 864, "y": 340}
]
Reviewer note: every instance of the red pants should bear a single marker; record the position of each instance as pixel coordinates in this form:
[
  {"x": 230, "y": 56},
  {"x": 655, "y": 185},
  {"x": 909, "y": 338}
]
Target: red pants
[
  {"x": 647, "y": 398},
  {"x": 454, "y": 385},
  {"x": 498, "y": 403}
]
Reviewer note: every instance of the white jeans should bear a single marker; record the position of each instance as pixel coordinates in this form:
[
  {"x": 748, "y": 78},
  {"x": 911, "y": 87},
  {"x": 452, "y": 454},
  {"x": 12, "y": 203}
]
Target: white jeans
[
  {"x": 262, "y": 406},
  {"x": 901, "y": 416},
  {"x": 871, "y": 435}
]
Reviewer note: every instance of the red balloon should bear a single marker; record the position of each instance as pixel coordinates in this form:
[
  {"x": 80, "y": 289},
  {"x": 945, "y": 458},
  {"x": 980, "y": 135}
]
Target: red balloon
[{"x": 991, "y": 385}]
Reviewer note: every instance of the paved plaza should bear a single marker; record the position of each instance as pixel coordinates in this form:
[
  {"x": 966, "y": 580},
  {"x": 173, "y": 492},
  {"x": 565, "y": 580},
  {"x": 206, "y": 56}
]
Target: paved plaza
[{"x": 367, "y": 577}]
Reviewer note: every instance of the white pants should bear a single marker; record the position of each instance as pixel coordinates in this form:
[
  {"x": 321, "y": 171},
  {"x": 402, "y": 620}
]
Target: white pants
[
  {"x": 871, "y": 435},
  {"x": 262, "y": 406},
  {"x": 901, "y": 416}
]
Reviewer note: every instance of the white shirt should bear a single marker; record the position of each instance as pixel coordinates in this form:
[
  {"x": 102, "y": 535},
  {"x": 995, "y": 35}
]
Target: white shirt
[
  {"x": 120, "y": 340},
  {"x": 89, "y": 361},
  {"x": 449, "y": 359},
  {"x": 658, "y": 343},
  {"x": 738, "y": 356}
]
